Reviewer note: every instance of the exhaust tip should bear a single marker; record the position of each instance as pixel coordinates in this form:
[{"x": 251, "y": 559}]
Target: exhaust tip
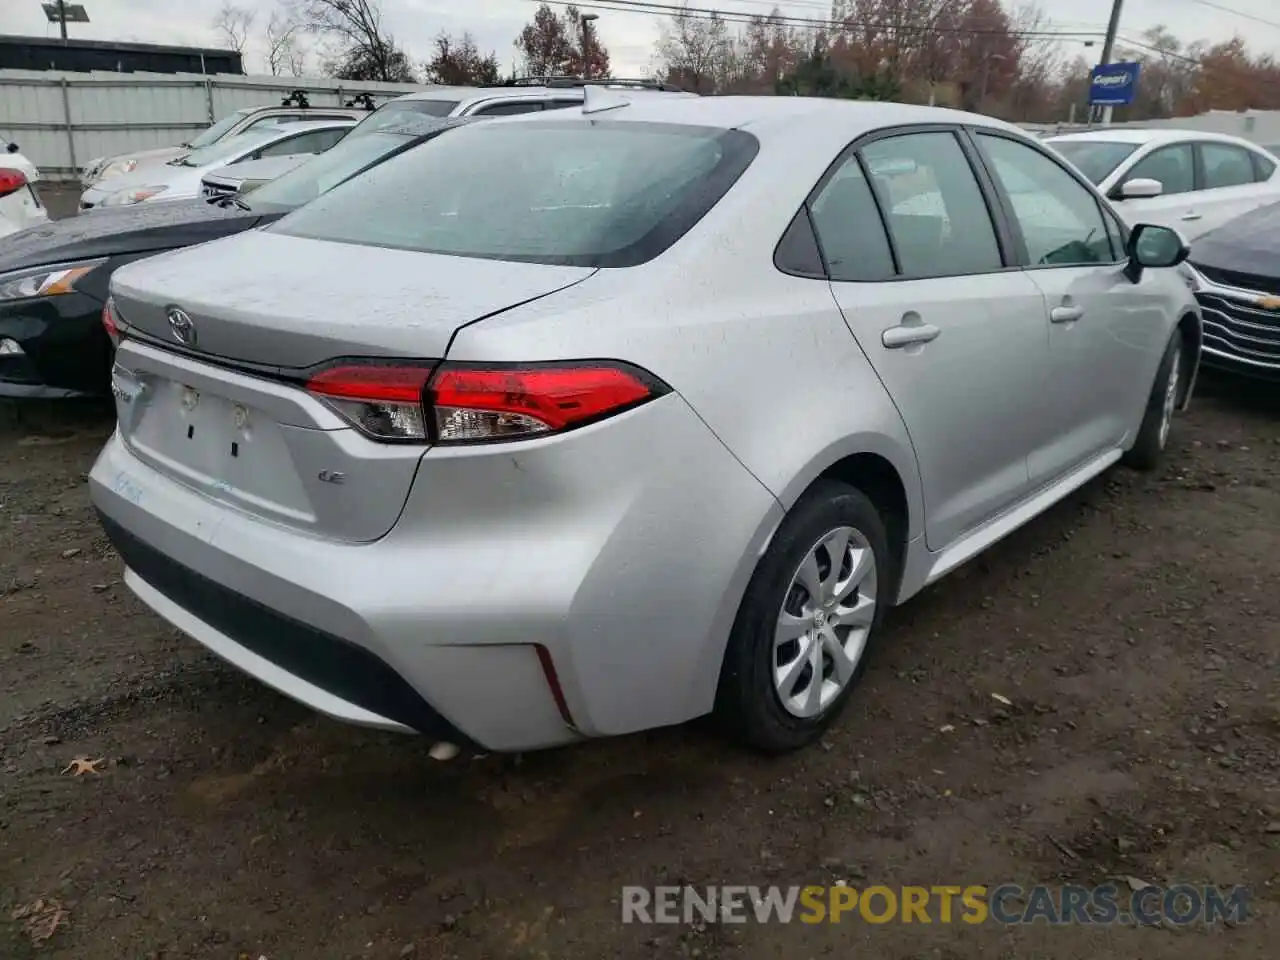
[{"x": 444, "y": 751}]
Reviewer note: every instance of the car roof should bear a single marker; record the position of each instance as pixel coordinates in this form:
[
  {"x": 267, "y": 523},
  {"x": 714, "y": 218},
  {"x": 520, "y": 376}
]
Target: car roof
[
  {"x": 1143, "y": 136},
  {"x": 821, "y": 118}
]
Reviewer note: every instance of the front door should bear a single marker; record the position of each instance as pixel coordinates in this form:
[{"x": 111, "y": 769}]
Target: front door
[
  {"x": 1178, "y": 205},
  {"x": 957, "y": 339},
  {"x": 1101, "y": 326}
]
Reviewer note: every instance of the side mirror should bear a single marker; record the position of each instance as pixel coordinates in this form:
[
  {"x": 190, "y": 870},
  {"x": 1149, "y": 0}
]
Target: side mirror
[
  {"x": 1156, "y": 247},
  {"x": 1140, "y": 188},
  {"x": 12, "y": 148}
]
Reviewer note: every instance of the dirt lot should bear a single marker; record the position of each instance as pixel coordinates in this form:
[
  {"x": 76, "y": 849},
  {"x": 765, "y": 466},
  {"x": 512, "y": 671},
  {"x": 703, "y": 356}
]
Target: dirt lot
[{"x": 1134, "y": 629}]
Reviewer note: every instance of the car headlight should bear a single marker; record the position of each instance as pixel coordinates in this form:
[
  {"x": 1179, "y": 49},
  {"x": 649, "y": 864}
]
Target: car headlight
[
  {"x": 122, "y": 198},
  {"x": 45, "y": 281},
  {"x": 117, "y": 168}
]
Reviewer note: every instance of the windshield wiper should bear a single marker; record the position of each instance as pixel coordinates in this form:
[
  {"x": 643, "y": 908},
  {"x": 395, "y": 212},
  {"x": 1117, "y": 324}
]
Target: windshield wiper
[{"x": 230, "y": 200}]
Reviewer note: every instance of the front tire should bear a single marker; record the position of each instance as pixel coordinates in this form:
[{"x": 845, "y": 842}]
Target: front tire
[
  {"x": 814, "y": 604},
  {"x": 1153, "y": 434}
]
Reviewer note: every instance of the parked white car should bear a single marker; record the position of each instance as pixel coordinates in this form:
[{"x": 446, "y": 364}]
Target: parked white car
[
  {"x": 20, "y": 205},
  {"x": 234, "y": 124},
  {"x": 180, "y": 179},
  {"x": 1186, "y": 179}
]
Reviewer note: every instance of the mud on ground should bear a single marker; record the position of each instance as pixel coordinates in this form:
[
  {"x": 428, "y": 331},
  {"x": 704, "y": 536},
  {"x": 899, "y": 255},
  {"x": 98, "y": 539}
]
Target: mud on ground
[{"x": 1134, "y": 630}]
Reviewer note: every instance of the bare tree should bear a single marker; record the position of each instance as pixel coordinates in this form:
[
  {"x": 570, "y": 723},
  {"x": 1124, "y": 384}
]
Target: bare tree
[
  {"x": 693, "y": 50},
  {"x": 284, "y": 48},
  {"x": 233, "y": 23},
  {"x": 364, "y": 50}
]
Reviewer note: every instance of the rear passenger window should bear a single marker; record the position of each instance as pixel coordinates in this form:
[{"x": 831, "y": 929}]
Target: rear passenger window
[
  {"x": 849, "y": 227},
  {"x": 1264, "y": 167},
  {"x": 935, "y": 209},
  {"x": 1225, "y": 165},
  {"x": 510, "y": 109}
]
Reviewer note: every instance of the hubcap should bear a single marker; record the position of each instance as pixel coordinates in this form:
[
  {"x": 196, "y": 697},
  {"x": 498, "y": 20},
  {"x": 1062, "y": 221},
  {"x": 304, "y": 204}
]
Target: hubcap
[
  {"x": 824, "y": 622},
  {"x": 1170, "y": 397}
]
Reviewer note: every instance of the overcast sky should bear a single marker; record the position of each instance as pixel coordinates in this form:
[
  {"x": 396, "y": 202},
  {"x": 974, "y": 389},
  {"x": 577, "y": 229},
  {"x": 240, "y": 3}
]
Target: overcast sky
[{"x": 629, "y": 36}]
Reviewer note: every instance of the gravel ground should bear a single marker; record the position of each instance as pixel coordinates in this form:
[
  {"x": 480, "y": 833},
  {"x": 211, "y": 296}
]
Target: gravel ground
[
  {"x": 1133, "y": 630},
  {"x": 60, "y": 199}
]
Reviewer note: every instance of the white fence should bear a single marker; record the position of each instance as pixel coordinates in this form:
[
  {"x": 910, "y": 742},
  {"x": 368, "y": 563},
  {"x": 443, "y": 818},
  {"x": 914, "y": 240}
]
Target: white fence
[{"x": 63, "y": 120}]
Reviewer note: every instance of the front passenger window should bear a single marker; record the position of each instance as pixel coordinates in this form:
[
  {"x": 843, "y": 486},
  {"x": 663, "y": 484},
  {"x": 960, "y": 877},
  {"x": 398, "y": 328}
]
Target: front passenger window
[
  {"x": 937, "y": 215},
  {"x": 1173, "y": 166},
  {"x": 1061, "y": 222}
]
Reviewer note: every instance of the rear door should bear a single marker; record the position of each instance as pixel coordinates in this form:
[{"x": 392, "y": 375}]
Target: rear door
[
  {"x": 1102, "y": 328},
  {"x": 1231, "y": 184},
  {"x": 955, "y": 333}
]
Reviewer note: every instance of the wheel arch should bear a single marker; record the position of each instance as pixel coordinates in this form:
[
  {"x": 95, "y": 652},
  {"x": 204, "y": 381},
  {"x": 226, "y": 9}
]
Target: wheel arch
[
  {"x": 882, "y": 470},
  {"x": 1191, "y": 328}
]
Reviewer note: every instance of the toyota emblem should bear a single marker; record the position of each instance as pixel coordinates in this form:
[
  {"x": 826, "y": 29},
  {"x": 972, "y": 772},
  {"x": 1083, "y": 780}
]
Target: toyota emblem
[{"x": 182, "y": 326}]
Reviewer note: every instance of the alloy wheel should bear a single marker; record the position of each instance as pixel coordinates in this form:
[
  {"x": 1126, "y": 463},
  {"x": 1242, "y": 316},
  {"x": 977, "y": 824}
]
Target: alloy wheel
[{"x": 824, "y": 623}]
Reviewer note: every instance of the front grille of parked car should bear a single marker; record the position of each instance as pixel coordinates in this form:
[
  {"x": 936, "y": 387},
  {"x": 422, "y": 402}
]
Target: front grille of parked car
[
  {"x": 1240, "y": 329},
  {"x": 1242, "y": 281}
]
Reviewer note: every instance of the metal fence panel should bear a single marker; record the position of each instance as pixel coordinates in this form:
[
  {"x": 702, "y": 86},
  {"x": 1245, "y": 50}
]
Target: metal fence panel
[{"x": 63, "y": 120}]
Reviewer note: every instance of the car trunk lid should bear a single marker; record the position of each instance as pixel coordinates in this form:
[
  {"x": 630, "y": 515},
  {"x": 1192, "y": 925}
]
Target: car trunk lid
[
  {"x": 291, "y": 302},
  {"x": 226, "y": 413}
]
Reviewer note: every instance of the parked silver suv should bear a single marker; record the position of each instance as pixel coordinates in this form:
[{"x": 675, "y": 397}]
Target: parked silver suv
[
  {"x": 575, "y": 424},
  {"x": 524, "y": 96}
]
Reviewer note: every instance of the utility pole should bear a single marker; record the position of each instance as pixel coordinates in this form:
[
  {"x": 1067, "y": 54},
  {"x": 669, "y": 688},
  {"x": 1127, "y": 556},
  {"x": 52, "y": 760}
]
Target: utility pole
[
  {"x": 588, "y": 43},
  {"x": 1108, "y": 45},
  {"x": 62, "y": 17}
]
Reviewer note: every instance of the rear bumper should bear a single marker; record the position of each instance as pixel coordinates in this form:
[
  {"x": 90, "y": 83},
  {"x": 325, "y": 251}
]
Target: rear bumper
[
  {"x": 616, "y": 555},
  {"x": 337, "y": 677}
]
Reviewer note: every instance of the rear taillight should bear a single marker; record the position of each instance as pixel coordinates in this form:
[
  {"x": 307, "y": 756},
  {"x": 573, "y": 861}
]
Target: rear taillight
[
  {"x": 472, "y": 402},
  {"x": 383, "y": 401},
  {"x": 11, "y": 181},
  {"x": 477, "y": 403},
  {"x": 110, "y": 322}
]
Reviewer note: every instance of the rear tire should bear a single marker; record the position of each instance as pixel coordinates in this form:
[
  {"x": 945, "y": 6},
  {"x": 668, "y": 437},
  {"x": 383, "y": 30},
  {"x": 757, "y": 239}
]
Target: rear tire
[
  {"x": 1153, "y": 434},
  {"x": 814, "y": 604}
]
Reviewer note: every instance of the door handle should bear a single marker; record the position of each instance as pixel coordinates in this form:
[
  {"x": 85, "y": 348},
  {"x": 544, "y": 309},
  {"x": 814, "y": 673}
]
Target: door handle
[
  {"x": 1192, "y": 215},
  {"x": 1065, "y": 314},
  {"x": 895, "y": 338}
]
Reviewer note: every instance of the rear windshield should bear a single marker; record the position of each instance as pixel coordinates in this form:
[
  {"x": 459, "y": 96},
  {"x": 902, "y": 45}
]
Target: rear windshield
[
  {"x": 1096, "y": 159},
  {"x": 599, "y": 194}
]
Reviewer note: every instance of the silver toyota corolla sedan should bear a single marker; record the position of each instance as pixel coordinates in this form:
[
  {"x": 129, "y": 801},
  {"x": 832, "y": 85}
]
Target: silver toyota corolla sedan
[{"x": 577, "y": 424}]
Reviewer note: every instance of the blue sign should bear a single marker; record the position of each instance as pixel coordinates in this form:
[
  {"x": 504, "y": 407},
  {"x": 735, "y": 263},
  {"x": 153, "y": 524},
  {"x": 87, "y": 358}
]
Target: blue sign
[{"x": 1114, "y": 85}]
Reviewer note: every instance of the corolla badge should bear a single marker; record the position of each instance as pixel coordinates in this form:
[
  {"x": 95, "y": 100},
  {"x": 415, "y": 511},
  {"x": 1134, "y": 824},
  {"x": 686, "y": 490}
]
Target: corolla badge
[{"x": 182, "y": 326}]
